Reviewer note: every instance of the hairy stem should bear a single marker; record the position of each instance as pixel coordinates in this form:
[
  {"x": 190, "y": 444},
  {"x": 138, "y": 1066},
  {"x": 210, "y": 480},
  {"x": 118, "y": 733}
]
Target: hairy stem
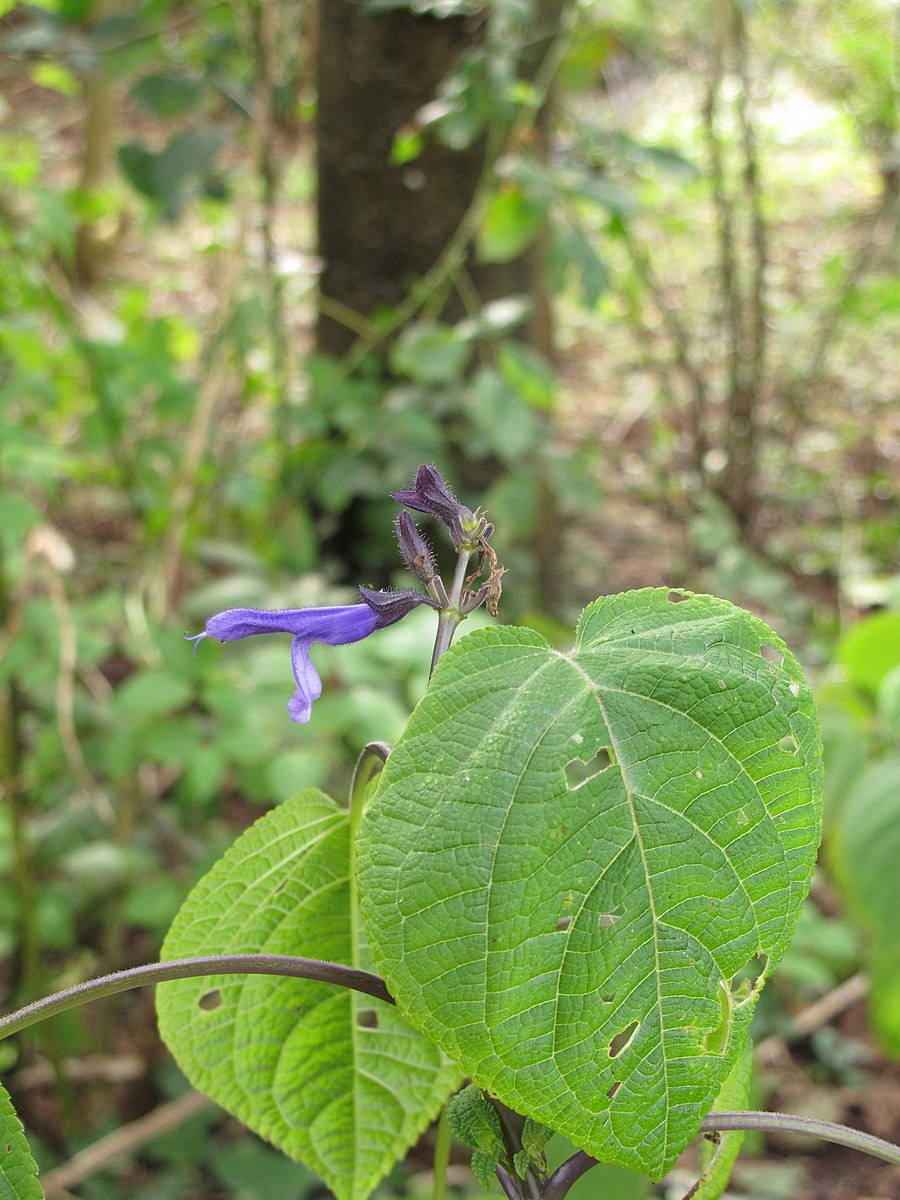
[
  {"x": 828, "y": 1131},
  {"x": 452, "y": 614},
  {"x": 285, "y": 965},
  {"x": 764, "y": 1122}
]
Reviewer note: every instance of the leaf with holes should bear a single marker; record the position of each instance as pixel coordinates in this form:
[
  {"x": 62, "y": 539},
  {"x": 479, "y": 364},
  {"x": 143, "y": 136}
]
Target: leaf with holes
[
  {"x": 18, "y": 1170},
  {"x": 338, "y": 1081},
  {"x": 571, "y": 857}
]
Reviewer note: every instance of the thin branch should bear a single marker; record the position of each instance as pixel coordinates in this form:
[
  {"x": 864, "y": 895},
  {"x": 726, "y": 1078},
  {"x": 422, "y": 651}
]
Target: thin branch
[
  {"x": 828, "y": 1131},
  {"x": 763, "y": 1122},
  {"x": 877, "y": 224},
  {"x": 825, "y": 1009},
  {"x": 124, "y": 1140},
  {"x": 728, "y": 266},
  {"x": 215, "y": 377},
  {"x": 93, "y": 1068},
  {"x": 759, "y": 238},
  {"x": 681, "y": 344},
  {"x": 284, "y": 965}
]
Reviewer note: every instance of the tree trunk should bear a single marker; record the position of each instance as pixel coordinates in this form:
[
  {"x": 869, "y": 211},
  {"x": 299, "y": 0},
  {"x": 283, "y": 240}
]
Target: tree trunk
[{"x": 382, "y": 226}]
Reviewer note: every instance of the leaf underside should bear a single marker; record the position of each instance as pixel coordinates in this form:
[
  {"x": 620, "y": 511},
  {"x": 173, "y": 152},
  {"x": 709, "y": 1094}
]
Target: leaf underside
[
  {"x": 570, "y": 858},
  {"x": 337, "y": 1080},
  {"x": 18, "y": 1170}
]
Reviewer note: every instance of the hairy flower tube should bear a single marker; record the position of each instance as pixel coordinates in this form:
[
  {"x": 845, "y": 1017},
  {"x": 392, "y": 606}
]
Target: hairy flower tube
[{"x": 337, "y": 626}]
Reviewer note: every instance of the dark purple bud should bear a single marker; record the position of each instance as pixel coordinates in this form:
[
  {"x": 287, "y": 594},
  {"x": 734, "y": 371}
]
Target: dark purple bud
[
  {"x": 431, "y": 494},
  {"x": 389, "y": 607},
  {"x": 414, "y": 549}
]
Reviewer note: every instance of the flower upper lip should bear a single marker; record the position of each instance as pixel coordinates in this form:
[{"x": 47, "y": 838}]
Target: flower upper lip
[{"x": 336, "y": 626}]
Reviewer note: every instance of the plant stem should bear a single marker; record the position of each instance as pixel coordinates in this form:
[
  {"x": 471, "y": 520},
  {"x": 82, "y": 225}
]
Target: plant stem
[
  {"x": 568, "y": 1173},
  {"x": 371, "y": 759},
  {"x": 510, "y": 1183},
  {"x": 442, "y": 1144},
  {"x": 285, "y": 965},
  {"x": 512, "y": 1124},
  {"x": 764, "y": 1122},
  {"x": 452, "y": 614},
  {"x": 828, "y": 1131}
]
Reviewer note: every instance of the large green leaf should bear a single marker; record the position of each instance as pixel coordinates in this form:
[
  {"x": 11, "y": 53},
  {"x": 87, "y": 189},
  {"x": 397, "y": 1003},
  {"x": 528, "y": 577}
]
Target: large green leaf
[
  {"x": 570, "y": 859},
  {"x": 18, "y": 1170},
  {"x": 336, "y": 1080}
]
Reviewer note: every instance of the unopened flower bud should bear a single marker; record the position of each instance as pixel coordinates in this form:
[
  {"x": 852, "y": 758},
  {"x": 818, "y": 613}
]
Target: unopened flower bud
[
  {"x": 414, "y": 549},
  {"x": 431, "y": 494}
]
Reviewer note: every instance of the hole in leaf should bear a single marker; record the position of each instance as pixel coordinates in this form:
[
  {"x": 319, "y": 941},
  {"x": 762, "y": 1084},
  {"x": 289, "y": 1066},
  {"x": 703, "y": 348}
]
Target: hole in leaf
[
  {"x": 280, "y": 888},
  {"x": 607, "y": 999},
  {"x": 367, "y": 1018},
  {"x": 790, "y": 744},
  {"x": 563, "y": 923},
  {"x": 612, "y": 1091},
  {"x": 210, "y": 1001},
  {"x": 771, "y": 654},
  {"x": 794, "y": 688},
  {"x": 623, "y": 1039},
  {"x": 676, "y": 597},
  {"x": 578, "y": 771},
  {"x": 745, "y": 985},
  {"x": 715, "y": 1040},
  {"x": 607, "y": 920}
]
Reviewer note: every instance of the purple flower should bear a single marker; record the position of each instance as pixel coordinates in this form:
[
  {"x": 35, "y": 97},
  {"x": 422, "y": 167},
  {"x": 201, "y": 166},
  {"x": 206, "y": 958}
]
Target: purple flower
[
  {"x": 336, "y": 626},
  {"x": 430, "y": 493}
]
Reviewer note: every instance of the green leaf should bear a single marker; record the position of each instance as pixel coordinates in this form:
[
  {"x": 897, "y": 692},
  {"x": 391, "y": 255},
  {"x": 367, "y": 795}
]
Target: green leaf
[
  {"x": 338, "y": 1081},
  {"x": 511, "y": 222},
  {"x": 151, "y": 694},
  {"x": 474, "y": 1121},
  {"x": 501, "y": 423},
  {"x": 167, "y": 176},
  {"x": 166, "y": 94},
  {"x": 430, "y": 353},
  {"x": 717, "y": 1156},
  {"x": 529, "y": 374},
  {"x": 18, "y": 1170},
  {"x": 863, "y": 849},
  {"x": 871, "y": 649},
  {"x": 569, "y": 858},
  {"x": 484, "y": 1166}
]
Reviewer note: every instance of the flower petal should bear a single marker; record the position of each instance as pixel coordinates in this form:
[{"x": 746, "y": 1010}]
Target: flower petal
[
  {"x": 309, "y": 685},
  {"x": 336, "y": 626}
]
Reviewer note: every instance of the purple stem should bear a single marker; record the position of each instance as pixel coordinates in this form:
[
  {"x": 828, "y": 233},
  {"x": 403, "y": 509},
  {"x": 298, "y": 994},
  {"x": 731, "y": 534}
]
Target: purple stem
[
  {"x": 509, "y": 1183},
  {"x": 188, "y": 968},
  {"x": 720, "y": 1122}
]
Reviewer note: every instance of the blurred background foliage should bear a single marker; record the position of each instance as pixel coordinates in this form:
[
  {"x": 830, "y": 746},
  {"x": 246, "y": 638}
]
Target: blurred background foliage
[{"x": 625, "y": 271}]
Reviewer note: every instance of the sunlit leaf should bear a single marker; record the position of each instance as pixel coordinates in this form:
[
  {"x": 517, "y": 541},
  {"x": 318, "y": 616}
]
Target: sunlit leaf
[
  {"x": 338, "y": 1081},
  {"x": 570, "y": 857}
]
